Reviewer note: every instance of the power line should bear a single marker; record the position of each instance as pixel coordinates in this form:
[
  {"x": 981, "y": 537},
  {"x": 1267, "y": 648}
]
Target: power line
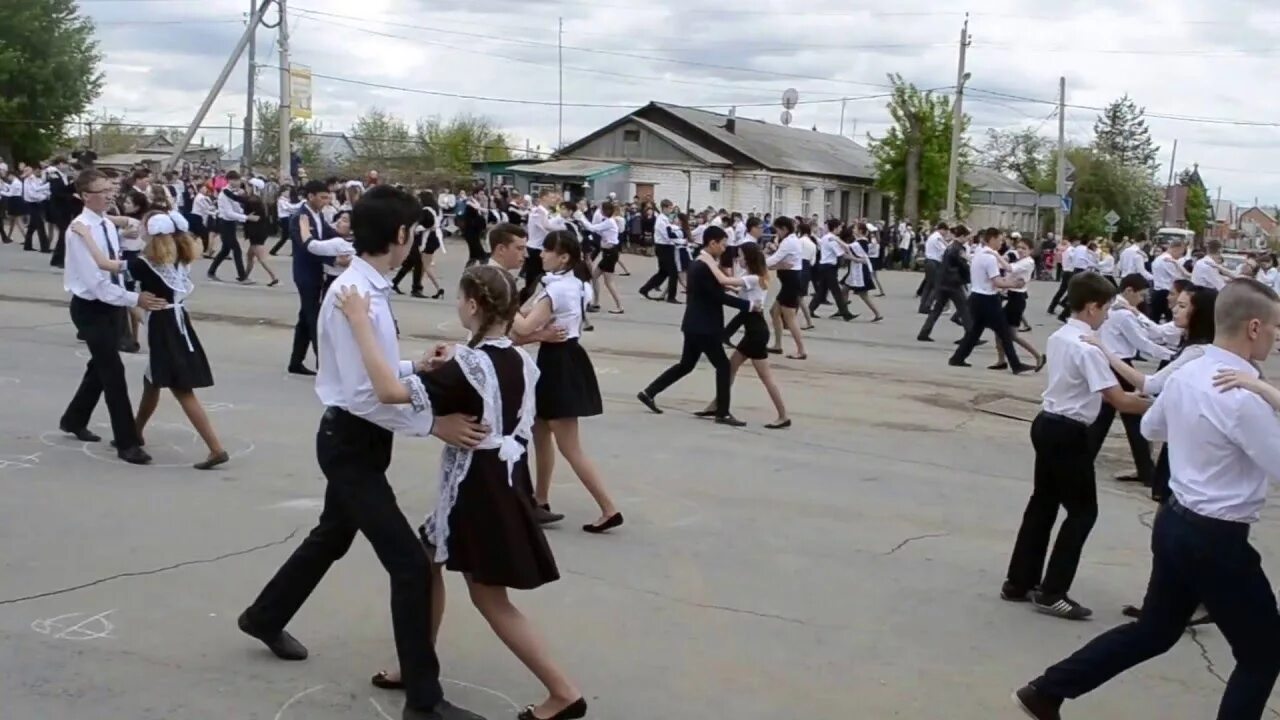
[{"x": 1147, "y": 113}]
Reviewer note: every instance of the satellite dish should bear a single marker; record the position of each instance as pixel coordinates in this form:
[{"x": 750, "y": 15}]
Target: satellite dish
[
  {"x": 790, "y": 97},
  {"x": 786, "y": 117}
]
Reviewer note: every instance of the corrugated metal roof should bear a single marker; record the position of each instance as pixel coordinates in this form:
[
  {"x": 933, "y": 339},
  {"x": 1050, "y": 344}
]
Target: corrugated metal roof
[
  {"x": 986, "y": 179},
  {"x": 683, "y": 143},
  {"x": 569, "y": 168},
  {"x": 778, "y": 147}
]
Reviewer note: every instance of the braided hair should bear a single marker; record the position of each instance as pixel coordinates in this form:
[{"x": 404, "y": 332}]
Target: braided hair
[{"x": 494, "y": 292}]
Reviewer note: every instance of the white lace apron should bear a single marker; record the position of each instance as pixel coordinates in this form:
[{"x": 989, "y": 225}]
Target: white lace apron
[
  {"x": 178, "y": 278},
  {"x": 455, "y": 462}
]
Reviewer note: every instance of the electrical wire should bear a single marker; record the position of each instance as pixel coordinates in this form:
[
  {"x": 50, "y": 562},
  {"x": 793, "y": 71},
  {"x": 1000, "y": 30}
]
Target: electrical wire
[{"x": 1147, "y": 113}]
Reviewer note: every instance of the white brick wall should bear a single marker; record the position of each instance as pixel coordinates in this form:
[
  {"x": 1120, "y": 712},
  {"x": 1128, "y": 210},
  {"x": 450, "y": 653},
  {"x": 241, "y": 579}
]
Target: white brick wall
[{"x": 745, "y": 190}]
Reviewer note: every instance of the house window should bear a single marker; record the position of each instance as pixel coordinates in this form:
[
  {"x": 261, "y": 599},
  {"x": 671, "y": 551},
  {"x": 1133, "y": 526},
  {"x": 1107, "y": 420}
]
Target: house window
[
  {"x": 828, "y": 204},
  {"x": 715, "y": 186},
  {"x": 779, "y": 200},
  {"x": 631, "y": 136},
  {"x": 806, "y": 202}
]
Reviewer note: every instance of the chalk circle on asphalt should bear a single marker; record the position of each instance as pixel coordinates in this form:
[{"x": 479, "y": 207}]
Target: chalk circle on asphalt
[
  {"x": 218, "y": 406},
  {"x": 19, "y": 462},
  {"x": 607, "y": 371},
  {"x": 76, "y": 626},
  {"x": 171, "y": 445}
]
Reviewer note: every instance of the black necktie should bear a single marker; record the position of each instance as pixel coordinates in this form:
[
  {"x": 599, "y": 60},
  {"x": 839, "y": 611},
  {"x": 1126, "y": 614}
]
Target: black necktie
[{"x": 111, "y": 251}]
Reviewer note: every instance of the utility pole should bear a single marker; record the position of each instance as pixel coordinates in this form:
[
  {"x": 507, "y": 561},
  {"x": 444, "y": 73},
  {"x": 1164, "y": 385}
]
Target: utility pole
[
  {"x": 957, "y": 120},
  {"x": 286, "y": 98},
  {"x": 1060, "y": 215},
  {"x": 230, "y": 65},
  {"x": 1169, "y": 219},
  {"x": 246, "y": 148},
  {"x": 843, "y": 103},
  {"x": 560, "y": 50}
]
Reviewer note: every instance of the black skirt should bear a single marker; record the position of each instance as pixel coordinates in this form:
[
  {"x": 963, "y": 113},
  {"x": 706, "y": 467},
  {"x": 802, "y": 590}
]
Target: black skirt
[
  {"x": 609, "y": 259},
  {"x": 789, "y": 296},
  {"x": 17, "y": 207},
  {"x": 567, "y": 386},
  {"x": 1014, "y": 307},
  {"x": 174, "y": 364},
  {"x": 493, "y": 534},
  {"x": 432, "y": 245},
  {"x": 755, "y": 337}
]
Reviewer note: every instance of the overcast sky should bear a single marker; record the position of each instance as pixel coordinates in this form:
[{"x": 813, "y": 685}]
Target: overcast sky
[{"x": 1183, "y": 58}]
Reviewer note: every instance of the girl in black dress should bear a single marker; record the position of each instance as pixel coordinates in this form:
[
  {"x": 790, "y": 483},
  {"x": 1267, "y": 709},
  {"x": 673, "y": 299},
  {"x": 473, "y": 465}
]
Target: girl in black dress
[
  {"x": 177, "y": 359},
  {"x": 483, "y": 524},
  {"x": 567, "y": 387},
  {"x": 426, "y": 243},
  {"x": 257, "y": 231}
]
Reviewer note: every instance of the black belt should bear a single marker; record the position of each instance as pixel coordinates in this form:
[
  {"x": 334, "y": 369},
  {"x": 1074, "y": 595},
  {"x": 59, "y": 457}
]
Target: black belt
[
  {"x": 1228, "y": 526},
  {"x": 1055, "y": 417}
]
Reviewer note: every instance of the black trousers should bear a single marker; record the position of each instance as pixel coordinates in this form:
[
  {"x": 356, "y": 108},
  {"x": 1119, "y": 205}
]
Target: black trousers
[
  {"x": 987, "y": 313},
  {"x": 942, "y": 295},
  {"x": 412, "y": 263},
  {"x": 4, "y": 222},
  {"x": 284, "y": 236},
  {"x": 230, "y": 246},
  {"x": 304, "y": 331},
  {"x": 1160, "y": 478},
  {"x": 826, "y": 280},
  {"x": 36, "y": 219},
  {"x": 1158, "y": 306},
  {"x": 354, "y": 455},
  {"x": 1139, "y": 446},
  {"x": 62, "y": 221},
  {"x": 1063, "y": 477},
  {"x": 475, "y": 248},
  {"x": 1060, "y": 296},
  {"x": 532, "y": 272},
  {"x": 1194, "y": 560},
  {"x": 98, "y": 325},
  {"x": 929, "y": 284},
  {"x": 694, "y": 347},
  {"x": 666, "y": 255}
]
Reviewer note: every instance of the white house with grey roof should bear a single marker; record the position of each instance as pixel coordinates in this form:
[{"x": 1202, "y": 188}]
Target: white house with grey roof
[
  {"x": 996, "y": 200},
  {"x": 697, "y": 159}
]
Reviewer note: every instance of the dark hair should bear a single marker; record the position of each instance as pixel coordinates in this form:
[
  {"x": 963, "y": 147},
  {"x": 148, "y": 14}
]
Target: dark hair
[
  {"x": 991, "y": 233},
  {"x": 784, "y": 223},
  {"x": 608, "y": 208},
  {"x": 714, "y": 234},
  {"x": 1134, "y": 281},
  {"x": 942, "y": 226},
  {"x": 232, "y": 175},
  {"x": 494, "y": 292},
  {"x": 428, "y": 200},
  {"x": 803, "y": 229},
  {"x": 1200, "y": 326},
  {"x": 505, "y": 234},
  {"x": 832, "y": 224},
  {"x": 753, "y": 222},
  {"x": 86, "y": 179},
  {"x": 960, "y": 231},
  {"x": 1088, "y": 288},
  {"x": 314, "y": 187},
  {"x": 1213, "y": 247},
  {"x": 1181, "y": 285},
  {"x": 564, "y": 242},
  {"x": 753, "y": 258},
  {"x": 379, "y": 216},
  {"x": 141, "y": 173}
]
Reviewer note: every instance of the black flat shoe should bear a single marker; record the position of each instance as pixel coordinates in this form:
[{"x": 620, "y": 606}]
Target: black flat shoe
[
  {"x": 575, "y": 710},
  {"x": 213, "y": 461},
  {"x": 301, "y": 370},
  {"x": 615, "y": 520},
  {"x": 134, "y": 456},
  {"x": 418, "y": 294},
  {"x": 998, "y": 366},
  {"x": 649, "y": 403},
  {"x": 439, "y": 294},
  {"x": 82, "y": 434},
  {"x": 274, "y": 282},
  {"x": 730, "y": 421},
  {"x": 705, "y": 414},
  {"x": 382, "y": 681},
  {"x": 282, "y": 644},
  {"x": 396, "y": 289},
  {"x": 779, "y": 426}
]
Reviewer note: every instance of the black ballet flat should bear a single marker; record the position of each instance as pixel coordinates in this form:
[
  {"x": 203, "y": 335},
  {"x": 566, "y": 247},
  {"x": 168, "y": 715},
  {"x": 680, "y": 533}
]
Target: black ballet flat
[
  {"x": 396, "y": 289},
  {"x": 576, "y": 710},
  {"x": 439, "y": 294},
  {"x": 705, "y": 414},
  {"x": 381, "y": 680},
  {"x": 615, "y": 520},
  {"x": 779, "y": 426}
]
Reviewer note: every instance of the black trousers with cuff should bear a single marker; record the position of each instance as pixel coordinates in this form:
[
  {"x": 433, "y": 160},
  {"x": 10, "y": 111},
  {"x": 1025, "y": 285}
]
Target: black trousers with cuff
[{"x": 694, "y": 347}]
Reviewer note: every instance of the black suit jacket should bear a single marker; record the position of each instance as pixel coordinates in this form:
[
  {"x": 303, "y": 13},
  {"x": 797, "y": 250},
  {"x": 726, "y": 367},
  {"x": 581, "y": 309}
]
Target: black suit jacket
[
  {"x": 704, "y": 308},
  {"x": 955, "y": 267}
]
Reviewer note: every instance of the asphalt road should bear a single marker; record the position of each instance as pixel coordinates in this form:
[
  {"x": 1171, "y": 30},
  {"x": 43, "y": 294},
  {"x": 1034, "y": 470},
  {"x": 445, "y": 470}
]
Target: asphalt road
[{"x": 846, "y": 568}]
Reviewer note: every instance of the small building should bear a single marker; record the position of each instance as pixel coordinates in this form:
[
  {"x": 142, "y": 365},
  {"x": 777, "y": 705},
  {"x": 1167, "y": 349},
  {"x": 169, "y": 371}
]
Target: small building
[
  {"x": 996, "y": 200},
  {"x": 699, "y": 159},
  {"x": 152, "y": 152},
  {"x": 1258, "y": 228}
]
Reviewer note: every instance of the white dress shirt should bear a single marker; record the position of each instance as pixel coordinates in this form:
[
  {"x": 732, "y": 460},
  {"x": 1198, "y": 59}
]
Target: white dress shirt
[
  {"x": 569, "y": 298},
  {"x": 984, "y": 268},
  {"x": 1022, "y": 270},
  {"x": 661, "y": 225},
  {"x": 1205, "y": 273},
  {"x": 204, "y": 207},
  {"x": 1107, "y": 265},
  {"x": 789, "y": 253},
  {"x": 934, "y": 247},
  {"x": 1078, "y": 374},
  {"x": 35, "y": 189},
  {"x": 1165, "y": 270},
  {"x": 810, "y": 249},
  {"x": 229, "y": 210},
  {"x": 830, "y": 250},
  {"x": 1124, "y": 335},
  {"x": 286, "y": 209},
  {"x": 905, "y": 237},
  {"x": 1222, "y": 446},
  {"x": 1155, "y": 384},
  {"x": 541, "y": 224},
  {"x": 81, "y": 275},
  {"x": 1133, "y": 260},
  {"x": 342, "y": 380},
  {"x": 1082, "y": 258},
  {"x": 607, "y": 229}
]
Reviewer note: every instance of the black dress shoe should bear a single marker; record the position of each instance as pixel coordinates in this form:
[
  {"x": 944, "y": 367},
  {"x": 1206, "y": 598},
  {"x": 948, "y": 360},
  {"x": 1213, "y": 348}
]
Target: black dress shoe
[
  {"x": 1037, "y": 705},
  {"x": 82, "y": 434},
  {"x": 444, "y": 711},
  {"x": 614, "y": 520},
  {"x": 649, "y": 402},
  {"x": 301, "y": 370},
  {"x": 924, "y": 338},
  {"x": 282, "y": 644},
  {"x": 730, "y": 421},
  {"x": 135, "y": 456},
  {"x": 958, "y": 363},
  {"x": 573, "y": 711},
  {"x": 382, "y": 681}
]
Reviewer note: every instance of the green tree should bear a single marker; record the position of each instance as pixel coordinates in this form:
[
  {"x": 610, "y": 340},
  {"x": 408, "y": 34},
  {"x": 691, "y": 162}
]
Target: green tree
[
  {"x": 382, "y": 139},
  {"x": 1199, "y": 209},
  {"x": 112, "y": 134},
  {"x": 266, "y": 137},
  {"x": 1103, "y": 184},
  {"x": 913, "y": 157},
  {"x": 48, "y": 74},
  {"x": 1121, "y": 134},
  {"x": 1022, "y": 154},
  {"x": 454, "y": 144}
]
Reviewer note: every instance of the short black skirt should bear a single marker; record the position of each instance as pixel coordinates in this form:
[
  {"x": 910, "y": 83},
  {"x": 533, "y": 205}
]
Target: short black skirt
[
  {"x": 790, "y": 293},
  {"x": 1014, "y": 308},
  {"x": 17, "y": 207},
  {"x": 567, "y": 386},
  {"x": 755, "y": 337},
  {"x": 609, "y": 259},
  {"x": 432, "y": 245}
]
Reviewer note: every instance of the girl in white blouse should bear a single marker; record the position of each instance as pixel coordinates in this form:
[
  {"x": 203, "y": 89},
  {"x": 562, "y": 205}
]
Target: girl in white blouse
[{"x": 1015, "y": 305}]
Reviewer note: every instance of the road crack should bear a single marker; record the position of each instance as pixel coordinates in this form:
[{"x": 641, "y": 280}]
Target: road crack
[
  {"x": 690, "y": 603},
  {"x": 912, "y": 539},
  {"x": 154, "y": 571}
]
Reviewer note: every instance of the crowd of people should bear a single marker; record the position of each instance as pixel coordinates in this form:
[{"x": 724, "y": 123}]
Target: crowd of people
[{"x": 536, "y": 269}]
